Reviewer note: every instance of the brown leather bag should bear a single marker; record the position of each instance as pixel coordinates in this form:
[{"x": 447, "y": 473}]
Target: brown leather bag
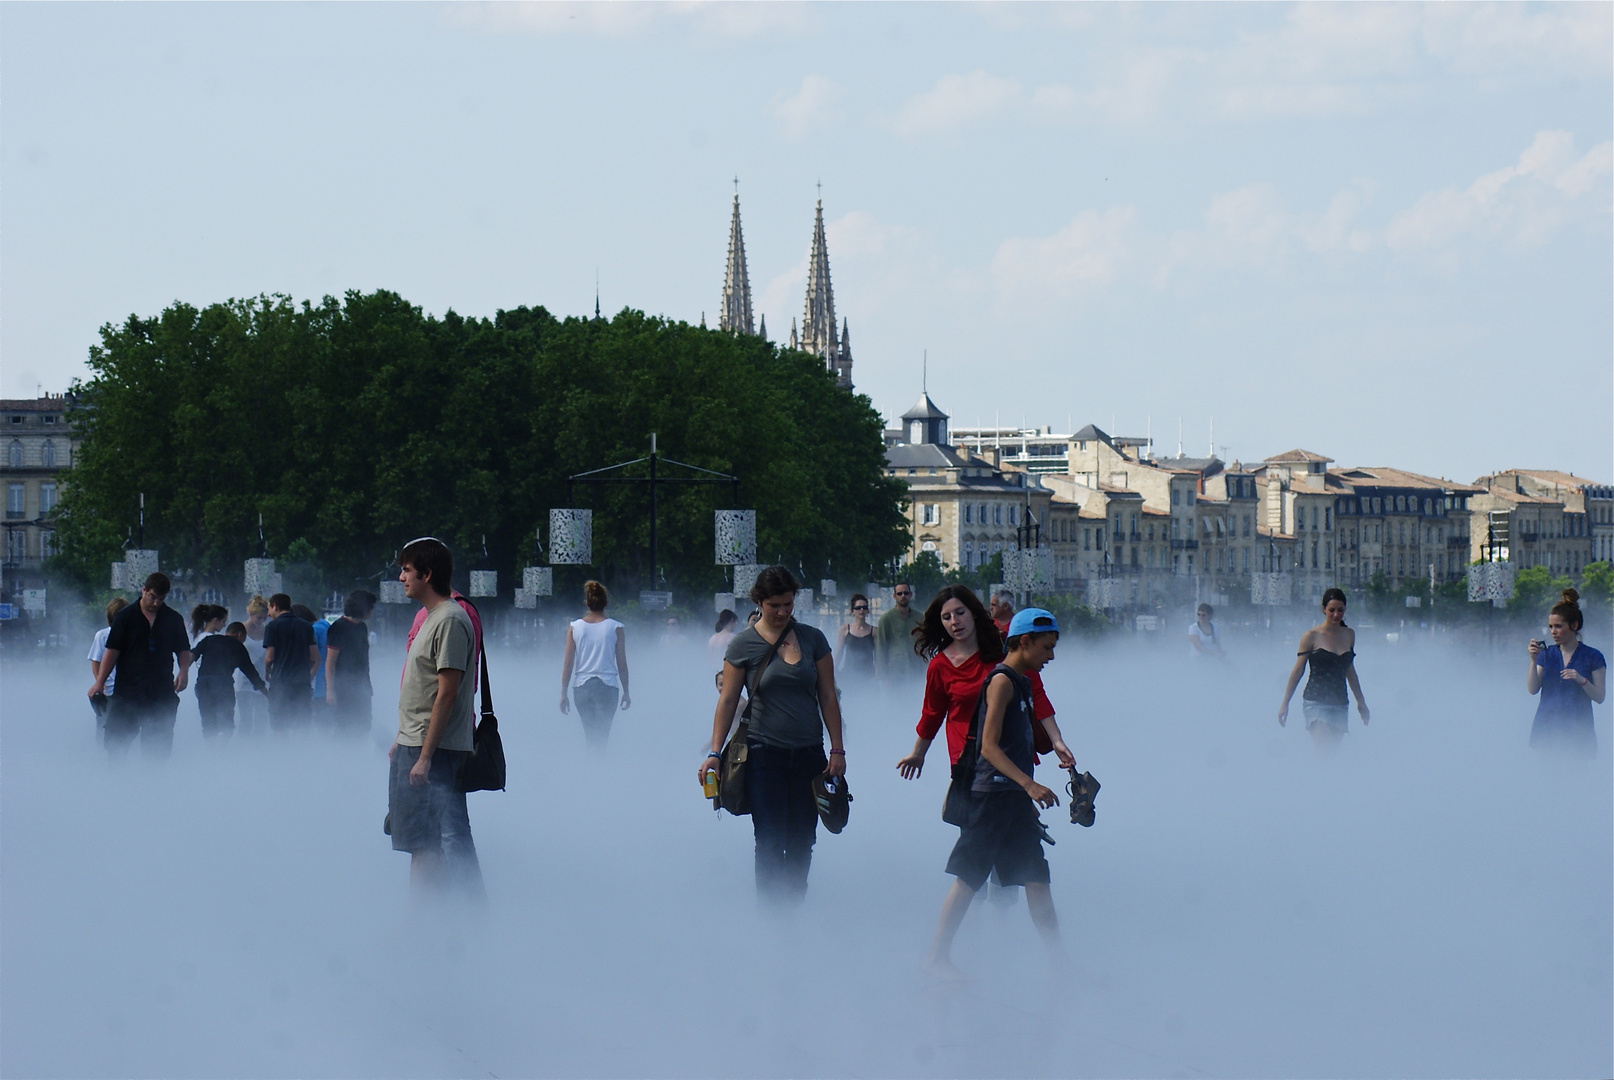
[{"x": 731, "y": 793}]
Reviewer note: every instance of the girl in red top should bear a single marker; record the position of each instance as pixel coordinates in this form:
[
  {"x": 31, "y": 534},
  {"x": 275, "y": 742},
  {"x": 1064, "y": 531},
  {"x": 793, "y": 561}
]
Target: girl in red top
[{"x": 964, "y": 646}]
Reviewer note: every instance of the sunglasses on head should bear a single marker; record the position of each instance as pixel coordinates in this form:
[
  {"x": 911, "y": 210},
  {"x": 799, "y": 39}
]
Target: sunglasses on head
[{"x": 416, "y": 540}]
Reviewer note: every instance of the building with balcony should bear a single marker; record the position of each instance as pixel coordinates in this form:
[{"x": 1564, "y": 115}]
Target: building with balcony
[
  {"x": 962, "y": 507},
  {"x": 1581, "y": 498},
  {"x": 38, "y": 450}
]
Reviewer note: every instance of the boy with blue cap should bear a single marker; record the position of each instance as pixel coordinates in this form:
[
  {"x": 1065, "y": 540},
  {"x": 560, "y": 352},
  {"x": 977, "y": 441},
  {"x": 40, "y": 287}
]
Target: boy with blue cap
[{"x": 1003, "y": 831}]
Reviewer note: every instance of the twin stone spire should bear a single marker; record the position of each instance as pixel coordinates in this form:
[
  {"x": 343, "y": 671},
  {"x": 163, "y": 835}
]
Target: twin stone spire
[{"x": 818, "y": 334}]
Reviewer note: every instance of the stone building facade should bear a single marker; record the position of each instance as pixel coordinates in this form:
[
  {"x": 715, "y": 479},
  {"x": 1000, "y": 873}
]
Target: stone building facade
[
  {"x": 963, "y": 508},
  {"x": 1586, "y": 533},
  {"x": 39, "y": 449}
]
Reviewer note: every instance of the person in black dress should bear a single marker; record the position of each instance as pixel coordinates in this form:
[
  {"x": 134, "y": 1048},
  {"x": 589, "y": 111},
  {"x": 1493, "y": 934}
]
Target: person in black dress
[
  {"x": 854, "y": 653},
  {"x": 1330, "y": 649}
]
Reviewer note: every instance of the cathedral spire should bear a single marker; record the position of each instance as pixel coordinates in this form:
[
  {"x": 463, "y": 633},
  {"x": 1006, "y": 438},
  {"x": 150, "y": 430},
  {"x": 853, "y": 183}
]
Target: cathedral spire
[
  {"x": 843, "y": 361},
  {"x": 762, "y": 327},
  {"x": 795, "y": 342},
  {"x": 735, "y": 314},
  {"x": 819, "y": 334}
]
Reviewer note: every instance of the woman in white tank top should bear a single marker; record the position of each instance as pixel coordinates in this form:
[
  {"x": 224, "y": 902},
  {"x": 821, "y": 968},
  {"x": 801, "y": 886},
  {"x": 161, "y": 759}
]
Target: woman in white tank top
[{"x": 595, "y": 670}]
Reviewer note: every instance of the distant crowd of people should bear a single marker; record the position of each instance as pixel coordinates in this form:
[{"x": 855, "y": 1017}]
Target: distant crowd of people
[
  {"x": 301, "y": 669},
  {"x": 776, "y": 679}
]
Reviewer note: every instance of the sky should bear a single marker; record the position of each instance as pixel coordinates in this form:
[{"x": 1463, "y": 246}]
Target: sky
[{"x": 1378, "y": 232}]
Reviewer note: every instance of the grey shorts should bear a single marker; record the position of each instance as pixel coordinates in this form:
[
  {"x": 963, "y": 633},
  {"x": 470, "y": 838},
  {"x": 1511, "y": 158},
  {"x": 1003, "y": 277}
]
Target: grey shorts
[
  {"x": 416, "y": 811},
  {"x": 1334, "y": 716},
  {"x": 1001, "y": 834}
]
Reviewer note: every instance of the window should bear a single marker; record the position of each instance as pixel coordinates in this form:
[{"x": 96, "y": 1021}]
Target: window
[
  {"x": 1246, "y": 560},
  {"x": 47, "y": 498},
  {"x": 969, "y": 513},
  {"x": 1014, "y": 515},
  {"x": 1314, "y": 563},
  {"x": 1098, "y": 538},
  {"x": 1328, "y": 554},
  {"x": 50, "y": 419},
  {"x": 997, "y": 513},
  {"x": 47, "y": 454},
  {"x": 14, "y": 456},
  {"x": 1328, "y": 522},
  {"x": 16, "y": 419},
  {"x": 14, "y": 501},
  {"x": 1087, "y": 535},
  {"x": 1188, "y": 497},
  {"x": 1176, "y": 496},
  {"x": 1205, "y": 526},
  {"x": 930, "y": 514},
  {"x": 47, "y": 543},
  {"x": 16, "y": 545}
]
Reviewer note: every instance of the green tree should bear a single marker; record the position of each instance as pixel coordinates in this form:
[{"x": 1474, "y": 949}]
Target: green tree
[
  {"x": 1535, "y": 590},
  {"x": 353, "y": 425},
  {"x": 1597, "y": 584}
]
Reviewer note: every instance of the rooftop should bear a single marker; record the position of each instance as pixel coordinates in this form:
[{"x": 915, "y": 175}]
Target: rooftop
[
  {"x": 924, "y": 409},
  {"x": 1296, "y": 455}
]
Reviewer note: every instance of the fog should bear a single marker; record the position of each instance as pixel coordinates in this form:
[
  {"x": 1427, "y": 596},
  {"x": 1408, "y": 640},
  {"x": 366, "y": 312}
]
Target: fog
[{"x": 1433, "y": 899}]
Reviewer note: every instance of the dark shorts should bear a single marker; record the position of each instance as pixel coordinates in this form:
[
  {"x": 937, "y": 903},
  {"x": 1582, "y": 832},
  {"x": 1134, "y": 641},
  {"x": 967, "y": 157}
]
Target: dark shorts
[
  {"x": 417, "y": 810},
  {"x": 215, "y": 700},
  {"x": 1001, "y": 834},
  {"x": 290, "y": 704},
  {"x": 1320, "y": 712}
]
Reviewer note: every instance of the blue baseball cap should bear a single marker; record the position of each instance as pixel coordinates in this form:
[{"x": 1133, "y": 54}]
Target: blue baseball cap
[{"x": 1032, "y": 620}]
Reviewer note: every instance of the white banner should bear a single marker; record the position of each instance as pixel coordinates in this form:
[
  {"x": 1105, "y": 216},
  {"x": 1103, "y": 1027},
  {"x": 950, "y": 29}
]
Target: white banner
[
  {"x": 571, "y": 537},
  {"x": 538, "y": 581},
  {"x": 736, "y": 537},
  {"x": 484, "y": 583}
]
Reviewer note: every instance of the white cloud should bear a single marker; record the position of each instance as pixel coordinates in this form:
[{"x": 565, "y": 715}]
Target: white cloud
[
  {"x": 1526, "y": 202},
  {"x": 814, "y": 106},
  {"x": 956, "y": 101},
  {"x": 1336, "y": 230},
  {"x": 625, "y": 17},
  {"x": 1086, "y": 254}
]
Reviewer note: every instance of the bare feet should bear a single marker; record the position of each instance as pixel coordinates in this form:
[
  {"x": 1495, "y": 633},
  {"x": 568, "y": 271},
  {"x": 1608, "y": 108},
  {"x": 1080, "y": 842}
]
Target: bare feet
[{"x": 944, "y": 970}]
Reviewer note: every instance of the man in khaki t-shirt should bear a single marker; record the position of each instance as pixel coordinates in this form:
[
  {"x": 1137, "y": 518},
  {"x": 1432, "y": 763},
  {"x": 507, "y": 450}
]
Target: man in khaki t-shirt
[
  {"x": 443, "y": 644},
  {"x": 435, "y": 719}
]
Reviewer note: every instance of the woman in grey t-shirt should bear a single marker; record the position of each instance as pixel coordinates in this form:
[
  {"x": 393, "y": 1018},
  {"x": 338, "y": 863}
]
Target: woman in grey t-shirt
[{"x": 792, "y": 705}]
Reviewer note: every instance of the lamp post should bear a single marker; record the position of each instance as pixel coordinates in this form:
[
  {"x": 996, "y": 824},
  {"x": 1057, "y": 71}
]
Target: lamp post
[{"x": 654, "y": 480}]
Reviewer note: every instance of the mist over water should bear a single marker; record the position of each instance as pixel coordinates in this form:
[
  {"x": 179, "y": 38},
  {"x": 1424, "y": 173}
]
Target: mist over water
[{"x": 1432, "y": 900}]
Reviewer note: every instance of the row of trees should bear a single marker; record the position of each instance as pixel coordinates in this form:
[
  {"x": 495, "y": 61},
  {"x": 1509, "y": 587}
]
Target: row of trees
[{"x": 354, "y": 425}]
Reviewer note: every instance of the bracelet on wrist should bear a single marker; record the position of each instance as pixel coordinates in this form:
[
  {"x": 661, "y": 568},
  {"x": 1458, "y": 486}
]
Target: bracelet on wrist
[
  {"x": 840, "y": 752},
  {"x": 714, "y": 753}
]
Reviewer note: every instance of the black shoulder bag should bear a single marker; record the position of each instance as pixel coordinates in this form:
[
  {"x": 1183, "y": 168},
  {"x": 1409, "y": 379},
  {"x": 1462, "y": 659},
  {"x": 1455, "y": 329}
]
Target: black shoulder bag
[
  {"x": 731, "y": 793},
  {"x": 484, "y": 769}
]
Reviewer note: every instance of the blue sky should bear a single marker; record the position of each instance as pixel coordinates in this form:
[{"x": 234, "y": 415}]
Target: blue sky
[{"x": 1378, "y": 232}]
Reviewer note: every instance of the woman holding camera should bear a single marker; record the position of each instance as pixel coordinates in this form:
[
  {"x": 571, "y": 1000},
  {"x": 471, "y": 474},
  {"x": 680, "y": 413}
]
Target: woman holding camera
[{"x": 1569, "y": 675}]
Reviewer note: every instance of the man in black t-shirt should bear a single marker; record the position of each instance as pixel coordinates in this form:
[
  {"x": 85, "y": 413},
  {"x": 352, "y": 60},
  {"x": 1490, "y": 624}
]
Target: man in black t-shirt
[
  {"x": 145, "y": 639},
  {"x": 347, "y": 665},
  {"x": 290, "y": 658}
]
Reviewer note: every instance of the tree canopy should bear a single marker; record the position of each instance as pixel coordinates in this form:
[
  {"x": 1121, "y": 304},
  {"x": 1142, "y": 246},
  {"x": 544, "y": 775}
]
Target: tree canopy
[{"x": 354, "y": 425}]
